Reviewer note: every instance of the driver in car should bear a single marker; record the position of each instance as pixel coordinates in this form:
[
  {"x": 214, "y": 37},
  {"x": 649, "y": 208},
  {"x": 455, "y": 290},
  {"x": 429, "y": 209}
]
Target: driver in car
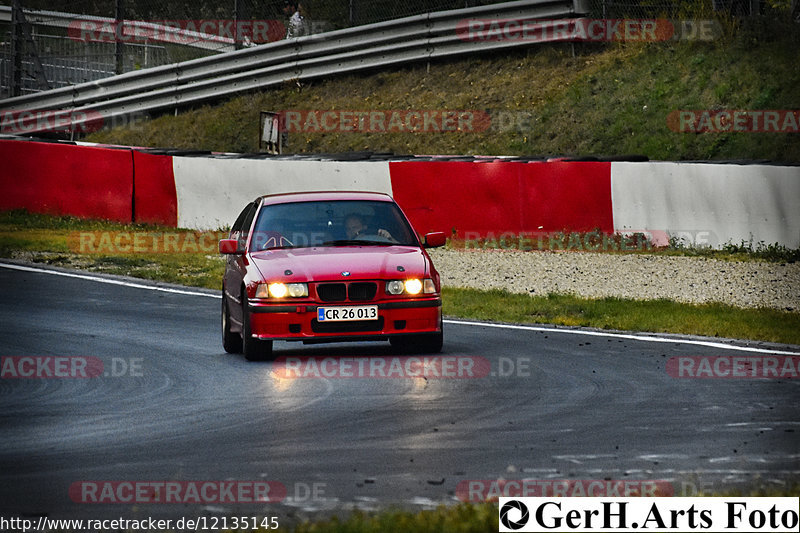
[{"x": 354, "y": 227}]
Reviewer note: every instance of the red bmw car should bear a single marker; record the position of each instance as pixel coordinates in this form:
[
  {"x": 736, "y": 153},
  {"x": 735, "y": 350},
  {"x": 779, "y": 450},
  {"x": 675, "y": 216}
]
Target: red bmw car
[{"x": 328, "y": 267}]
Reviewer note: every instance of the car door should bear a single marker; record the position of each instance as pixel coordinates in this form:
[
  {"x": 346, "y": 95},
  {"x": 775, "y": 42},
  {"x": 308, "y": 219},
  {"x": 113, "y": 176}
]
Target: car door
[{"x": 236, "y": 265}]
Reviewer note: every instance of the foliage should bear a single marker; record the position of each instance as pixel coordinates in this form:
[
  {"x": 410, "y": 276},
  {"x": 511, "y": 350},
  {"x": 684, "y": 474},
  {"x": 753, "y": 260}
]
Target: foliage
[{"x": 589, "y": 99}]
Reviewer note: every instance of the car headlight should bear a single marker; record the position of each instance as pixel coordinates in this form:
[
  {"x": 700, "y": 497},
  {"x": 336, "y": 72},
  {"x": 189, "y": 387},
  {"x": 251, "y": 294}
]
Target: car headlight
[
  {"x": 411, "y": 286},
  {"x": 395, "y": 287},
  {"x": 282, "y": 290}
]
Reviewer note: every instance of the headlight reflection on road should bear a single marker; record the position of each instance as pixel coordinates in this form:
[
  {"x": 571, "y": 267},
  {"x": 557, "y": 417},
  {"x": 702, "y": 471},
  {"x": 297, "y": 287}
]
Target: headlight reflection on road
[{"x": 281, "y": 379}]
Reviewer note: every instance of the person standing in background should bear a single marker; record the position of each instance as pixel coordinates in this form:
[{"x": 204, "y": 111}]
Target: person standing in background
[{"x": 297, "y": 22}]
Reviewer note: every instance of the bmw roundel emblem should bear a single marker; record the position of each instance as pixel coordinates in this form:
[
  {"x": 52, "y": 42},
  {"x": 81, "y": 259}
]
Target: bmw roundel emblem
[{"x": 346, "y": 273}]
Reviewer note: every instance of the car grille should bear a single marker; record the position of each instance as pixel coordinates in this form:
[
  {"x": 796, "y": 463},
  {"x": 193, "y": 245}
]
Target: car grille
[
  {"x": 355, "y": 292},
  {"x": 332, "y": 292},
  {"x": 355, "y": 326},
  {"x": 362, "y": 291}
]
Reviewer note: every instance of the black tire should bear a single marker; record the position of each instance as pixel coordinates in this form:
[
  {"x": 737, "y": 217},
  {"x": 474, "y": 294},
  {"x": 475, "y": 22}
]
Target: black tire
[
  {"x": 232, "y": 342},
  {"x": 434, "y": 342},
  {"x": 425, "y": 343},
  {"x": 254, "y": 349}
]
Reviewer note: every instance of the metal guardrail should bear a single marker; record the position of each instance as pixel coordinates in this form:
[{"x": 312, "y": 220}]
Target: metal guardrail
[{"x": 400, "y": 41}]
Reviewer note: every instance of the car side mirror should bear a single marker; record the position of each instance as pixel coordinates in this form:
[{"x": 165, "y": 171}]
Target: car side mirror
[
  {"x": 229, "y": 246},
  {"x": 434, "y": 239}
]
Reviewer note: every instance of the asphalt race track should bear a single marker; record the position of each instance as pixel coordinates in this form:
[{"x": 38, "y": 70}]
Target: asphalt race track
[{"x": 170, "y": 405}]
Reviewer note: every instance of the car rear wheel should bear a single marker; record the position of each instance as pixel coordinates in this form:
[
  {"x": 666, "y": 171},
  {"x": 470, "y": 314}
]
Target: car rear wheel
[
  {"x": 232, "y": 342},
  {"x": 254, "y": 349}
]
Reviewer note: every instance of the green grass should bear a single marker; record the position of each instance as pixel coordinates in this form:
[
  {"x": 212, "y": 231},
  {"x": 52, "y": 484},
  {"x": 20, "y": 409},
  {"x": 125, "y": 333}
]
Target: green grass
[
  {"x": 587, "y": 99},
  {"x": 52, "y": 240},
  {"x": 744, "y": 251},
  {"x": 596, "y": 241},
  {"x": 658, "y": 316},
  {"x": 463, "y": 518}
]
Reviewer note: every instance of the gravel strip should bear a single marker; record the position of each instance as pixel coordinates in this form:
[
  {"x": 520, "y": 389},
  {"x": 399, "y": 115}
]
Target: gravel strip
[{"x": 636, "y": 276}]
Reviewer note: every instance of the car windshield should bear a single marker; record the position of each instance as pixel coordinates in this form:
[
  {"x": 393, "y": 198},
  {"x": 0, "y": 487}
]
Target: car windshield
[{"x": 331, "y": 223}]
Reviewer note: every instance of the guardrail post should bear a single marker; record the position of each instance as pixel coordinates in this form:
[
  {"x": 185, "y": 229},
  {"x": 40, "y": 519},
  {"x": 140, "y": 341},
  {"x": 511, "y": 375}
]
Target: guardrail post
[
  {"x": 237, "y": 45},
  {"x": 16, "y": 48},
  {"x": 119, "y": 35}
]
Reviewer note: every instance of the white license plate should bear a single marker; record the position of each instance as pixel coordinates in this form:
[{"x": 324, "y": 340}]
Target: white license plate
[{"x": 344, "y": 314}]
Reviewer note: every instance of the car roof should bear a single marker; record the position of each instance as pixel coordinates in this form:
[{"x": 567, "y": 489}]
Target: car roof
[{"x": 324, "y": 196}]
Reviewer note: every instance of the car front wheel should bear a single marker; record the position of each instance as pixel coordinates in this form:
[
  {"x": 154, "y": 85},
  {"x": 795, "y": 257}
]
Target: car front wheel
[
  {"x": 254, "y": 349},
  {"x": 424, "y": 343},
  {"x": 232, "y": 342}
]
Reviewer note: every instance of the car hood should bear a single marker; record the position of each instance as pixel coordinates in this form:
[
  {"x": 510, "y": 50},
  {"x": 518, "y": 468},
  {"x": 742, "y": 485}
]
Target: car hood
[{"x": 327, "y": 264}]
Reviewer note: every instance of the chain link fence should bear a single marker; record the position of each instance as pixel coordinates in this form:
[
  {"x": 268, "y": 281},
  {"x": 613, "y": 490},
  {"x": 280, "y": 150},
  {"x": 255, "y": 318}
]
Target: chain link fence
[
  {"x": 682, "y": 8},
  {"x": 82, "y": 41},
  {"x": 335, "y": 14}
]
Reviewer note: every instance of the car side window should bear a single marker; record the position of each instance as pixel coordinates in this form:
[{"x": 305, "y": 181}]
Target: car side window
[
  {"x": 248, "y": 222},
  {"x": 241, "y": 228}
]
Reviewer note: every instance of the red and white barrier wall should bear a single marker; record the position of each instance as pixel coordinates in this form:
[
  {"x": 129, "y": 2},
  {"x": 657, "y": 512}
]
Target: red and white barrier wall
[
  {"x": 211, "y": 192},
  {"x": 475, "y": 199},
  {"x": 708, "y": 204},
  {"x": 54, "y": 178}
]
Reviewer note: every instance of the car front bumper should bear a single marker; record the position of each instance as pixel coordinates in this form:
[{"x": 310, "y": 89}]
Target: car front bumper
[{"x": 298, "y": 322}]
